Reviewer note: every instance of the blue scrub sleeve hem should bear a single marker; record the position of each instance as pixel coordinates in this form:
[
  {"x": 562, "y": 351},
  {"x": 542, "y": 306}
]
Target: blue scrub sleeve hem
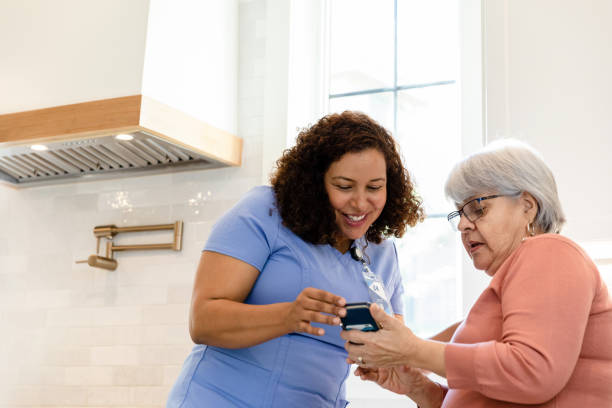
[{"x": 228, "y": 252}]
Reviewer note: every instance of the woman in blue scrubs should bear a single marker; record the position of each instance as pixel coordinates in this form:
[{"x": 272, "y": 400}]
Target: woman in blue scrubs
[{"x": 277, "y": 270}]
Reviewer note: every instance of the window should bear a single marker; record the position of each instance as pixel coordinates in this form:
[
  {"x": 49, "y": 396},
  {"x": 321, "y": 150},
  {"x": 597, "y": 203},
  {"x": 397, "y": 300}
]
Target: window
[{"x": 397, "y": 61}]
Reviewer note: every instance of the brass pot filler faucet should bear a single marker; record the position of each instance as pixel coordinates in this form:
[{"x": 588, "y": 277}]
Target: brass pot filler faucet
[{"x": 109, "y": 232}]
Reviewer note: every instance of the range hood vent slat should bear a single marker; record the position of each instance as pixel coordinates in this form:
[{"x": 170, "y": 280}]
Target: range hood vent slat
[
  {"x": 37, "y": 164},
  {"x": 65, "y": 155},
  {"x": 22, "y": 167},
  {"x": 130, "y": 158},
  {"x": 178, "y": 152},
  {"x": 97, "y": 152},
  {"x": 15, "y": 173},
  {"x": 90, "y": 165},
  {"x": 168, "y": 156},
  {"x": 142, "y": 145},
  {"x": 72, "y": 165},
  {"x": 98, "y": 164},
  {"x": 123, "y": 164},
  {"x": 160, "y": 152},
  {"x": 60, "y": 162},
  {"x": 129, "y": 146},
  {"x": 55, "y": 169}
]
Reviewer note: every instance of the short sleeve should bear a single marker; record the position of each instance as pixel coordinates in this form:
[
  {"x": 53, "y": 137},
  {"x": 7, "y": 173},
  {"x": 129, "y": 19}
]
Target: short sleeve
[{"x": 247, "y": 231}]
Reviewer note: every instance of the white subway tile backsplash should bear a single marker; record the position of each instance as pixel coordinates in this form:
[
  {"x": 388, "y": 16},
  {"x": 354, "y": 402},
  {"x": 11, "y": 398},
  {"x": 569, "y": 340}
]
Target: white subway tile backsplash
[
  {"x": 116, "y": 355},
  {"x": 61, "y": 355},
  {"x": 13, "y": 264},
  {"x": 19, "y": 319},
  {"x": 152, "y": 275},
  {"x": 148, "y": 396},
  {"x": 141, "y": 295},
  {"x": 117, "y": 316},
  {"x": 73, "y": 317},
  {"x": 63, "y": 396},
  {"x": 38, "y": 375},
  {"x": 165, "y": 314},
  {"x": 164, "y": 355},
  {"x": 109, "y": 396},
  {"x": 48, "y": 298},
  {"x": 89, "y": 376},
  {"x": 171, "y": 373},
  {"x": 128, "y": 335},
  {"x": 74, "y": 202},
  {"x": 139, "y": 376},
  {"x": 24, "y": 396},
  {"x": 175, "y": 334},
  {"x": 179, "y": 294},
  {"x": 4, "y": 247},
  {"x": 13, "y": 297}
]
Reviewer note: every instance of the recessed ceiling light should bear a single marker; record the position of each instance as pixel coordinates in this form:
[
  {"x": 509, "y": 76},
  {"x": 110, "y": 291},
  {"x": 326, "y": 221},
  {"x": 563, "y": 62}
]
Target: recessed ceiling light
[
  {"x": 124, "y": 136},
  {"x": 39, "y": 147}
]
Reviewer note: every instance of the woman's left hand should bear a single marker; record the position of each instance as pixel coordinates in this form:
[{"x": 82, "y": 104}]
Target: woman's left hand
[{"x": 393, "y": 344}]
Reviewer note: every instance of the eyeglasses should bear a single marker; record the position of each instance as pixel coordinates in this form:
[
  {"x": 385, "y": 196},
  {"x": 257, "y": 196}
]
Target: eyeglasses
[{"x": 472, "y": 210}]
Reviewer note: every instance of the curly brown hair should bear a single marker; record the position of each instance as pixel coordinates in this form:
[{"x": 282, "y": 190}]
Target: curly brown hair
[{"x": 298, "y": 181}]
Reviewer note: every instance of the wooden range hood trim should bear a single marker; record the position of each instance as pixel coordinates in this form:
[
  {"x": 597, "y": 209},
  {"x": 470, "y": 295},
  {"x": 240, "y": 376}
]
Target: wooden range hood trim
[{"x": 120, "y": 115}]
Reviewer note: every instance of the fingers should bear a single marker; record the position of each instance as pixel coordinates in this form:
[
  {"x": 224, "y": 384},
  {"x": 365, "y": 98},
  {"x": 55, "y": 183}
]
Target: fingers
[
  {"x": 355, "y": 354},
  {"x": 315, "y": 306},
  {"x": 320, "y": 306},
  {"x": 355, "y": 337},
  {"x": 317, "y": 317},
  {"x": 323, "y": 301},
  {"x": 381, "y": 317},
  {"x": 324, "y": 296},
  {"x": 370, "y": 374},
  {"x": 305, "y": 327}
]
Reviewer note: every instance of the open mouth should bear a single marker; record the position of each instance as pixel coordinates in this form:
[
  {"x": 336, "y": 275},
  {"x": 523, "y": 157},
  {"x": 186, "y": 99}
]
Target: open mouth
[
  {"x": 474, "y": 246},
  {"x": 354, "y": 220}
]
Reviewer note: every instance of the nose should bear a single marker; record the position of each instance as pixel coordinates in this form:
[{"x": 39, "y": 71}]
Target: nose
[
  {"x": 358, "y": 200},
  {"x": 464, "y": 223}
]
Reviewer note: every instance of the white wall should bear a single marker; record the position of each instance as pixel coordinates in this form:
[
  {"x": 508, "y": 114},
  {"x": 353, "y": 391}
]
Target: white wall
[
  {"x": 69, "y": 51},
  {"x": 548, "y": 82},
  {"x": 191, "y": 59},
  {"x": 79, "y": 336}
]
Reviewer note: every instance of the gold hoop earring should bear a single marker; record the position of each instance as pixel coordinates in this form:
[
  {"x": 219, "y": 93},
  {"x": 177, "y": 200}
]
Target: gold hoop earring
[{"x": 531, "y": 229}]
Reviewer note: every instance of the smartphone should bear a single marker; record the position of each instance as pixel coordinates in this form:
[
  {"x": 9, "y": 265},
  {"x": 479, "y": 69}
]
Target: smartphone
[{"x": 358, "y": 317}]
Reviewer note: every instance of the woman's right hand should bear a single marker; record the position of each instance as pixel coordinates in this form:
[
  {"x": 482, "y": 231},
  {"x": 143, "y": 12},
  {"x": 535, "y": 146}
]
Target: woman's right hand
[
  {"x": 405, "y": 380},
  {"x": 314, "y": 305}
]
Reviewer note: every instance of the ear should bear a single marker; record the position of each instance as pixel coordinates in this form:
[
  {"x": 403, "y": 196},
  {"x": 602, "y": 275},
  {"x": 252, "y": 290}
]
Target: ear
[{"x": 529, "y": 204}]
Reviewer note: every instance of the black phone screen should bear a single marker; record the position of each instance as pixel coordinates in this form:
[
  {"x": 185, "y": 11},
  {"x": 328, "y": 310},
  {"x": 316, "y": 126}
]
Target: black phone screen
[{"x": 358, "y": 317}]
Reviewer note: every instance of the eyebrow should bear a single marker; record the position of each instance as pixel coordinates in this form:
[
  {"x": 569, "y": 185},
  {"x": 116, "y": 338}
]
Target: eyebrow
[{"x": 351, "y": 180}]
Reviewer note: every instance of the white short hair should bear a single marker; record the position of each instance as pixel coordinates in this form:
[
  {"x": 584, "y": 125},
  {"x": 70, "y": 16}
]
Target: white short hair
[{"x": 510, "y": 167}]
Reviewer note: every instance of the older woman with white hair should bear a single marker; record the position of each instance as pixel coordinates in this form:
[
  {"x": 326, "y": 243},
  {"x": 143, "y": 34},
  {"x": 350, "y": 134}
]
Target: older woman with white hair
[{"x": 540, "y": 334}]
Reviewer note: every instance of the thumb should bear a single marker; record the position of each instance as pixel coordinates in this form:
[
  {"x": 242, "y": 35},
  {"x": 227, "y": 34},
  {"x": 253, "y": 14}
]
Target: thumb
[{"x": 381, "y": 317}]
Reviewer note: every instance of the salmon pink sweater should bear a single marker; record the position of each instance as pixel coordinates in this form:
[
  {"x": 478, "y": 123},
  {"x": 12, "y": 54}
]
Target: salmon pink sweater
[{"x": 539, "y": 335}]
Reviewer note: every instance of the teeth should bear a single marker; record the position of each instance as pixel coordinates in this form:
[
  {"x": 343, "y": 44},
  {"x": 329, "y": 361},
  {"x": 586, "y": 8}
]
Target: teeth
[{"x": 356, "y": 218}]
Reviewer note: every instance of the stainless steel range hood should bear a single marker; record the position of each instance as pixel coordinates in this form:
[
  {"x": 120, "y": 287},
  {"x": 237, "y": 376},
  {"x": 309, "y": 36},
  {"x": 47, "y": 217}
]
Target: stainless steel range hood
[{"x": 79, "y": 141}]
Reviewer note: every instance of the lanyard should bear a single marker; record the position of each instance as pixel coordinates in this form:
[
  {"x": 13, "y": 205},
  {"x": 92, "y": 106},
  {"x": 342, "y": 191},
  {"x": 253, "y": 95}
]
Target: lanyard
[{"x": 376, "y": 289}]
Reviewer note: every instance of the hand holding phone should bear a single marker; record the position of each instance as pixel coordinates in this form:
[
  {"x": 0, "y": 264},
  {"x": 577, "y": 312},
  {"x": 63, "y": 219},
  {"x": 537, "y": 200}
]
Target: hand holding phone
[{"x": 358, "y": 317}]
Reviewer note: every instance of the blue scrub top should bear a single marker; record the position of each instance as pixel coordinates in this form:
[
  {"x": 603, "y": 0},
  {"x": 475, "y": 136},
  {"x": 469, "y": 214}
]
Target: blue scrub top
[{"x": 298, "y": 369}]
